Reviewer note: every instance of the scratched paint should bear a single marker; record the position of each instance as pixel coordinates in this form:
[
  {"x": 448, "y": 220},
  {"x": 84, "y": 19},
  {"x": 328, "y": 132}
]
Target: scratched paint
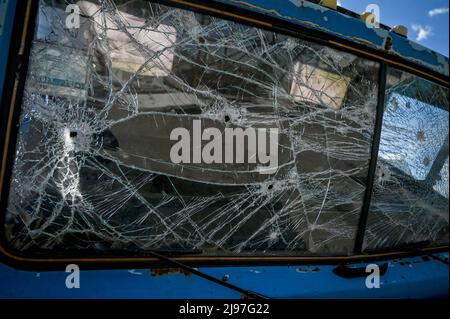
[{"x": 311, "y": 16}]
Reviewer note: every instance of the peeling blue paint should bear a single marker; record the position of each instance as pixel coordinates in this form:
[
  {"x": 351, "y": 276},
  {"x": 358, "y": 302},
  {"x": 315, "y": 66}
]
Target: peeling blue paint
[
  {"x": 405, "y": 278},
  {"x": 317, "y": 17}
]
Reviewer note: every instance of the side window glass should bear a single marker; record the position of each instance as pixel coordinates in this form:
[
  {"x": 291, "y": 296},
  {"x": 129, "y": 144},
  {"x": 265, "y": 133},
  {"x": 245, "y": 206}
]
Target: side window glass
[{"x": 410, "y": 198}]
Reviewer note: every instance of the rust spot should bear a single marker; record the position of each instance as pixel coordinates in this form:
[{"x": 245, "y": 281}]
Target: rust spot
[
  {"x": 166, "y": 271},
  {"x": 303, "y": 270},
  {"x": 388, "y": 44},
  {"x": 248, "y": 296}
]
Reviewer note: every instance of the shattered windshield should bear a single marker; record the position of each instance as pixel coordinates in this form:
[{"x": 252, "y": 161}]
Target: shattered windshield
[{"x": 147, "y": 127}]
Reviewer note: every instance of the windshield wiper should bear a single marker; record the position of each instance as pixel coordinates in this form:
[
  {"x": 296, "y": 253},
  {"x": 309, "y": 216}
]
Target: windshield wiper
[{"x": 248, "y": 294}]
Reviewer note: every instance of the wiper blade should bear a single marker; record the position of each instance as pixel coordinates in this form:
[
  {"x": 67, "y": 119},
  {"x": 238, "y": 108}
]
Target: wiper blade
[
  {"x": 248, "y": 294},
  {"x": 442, "y": 260}
]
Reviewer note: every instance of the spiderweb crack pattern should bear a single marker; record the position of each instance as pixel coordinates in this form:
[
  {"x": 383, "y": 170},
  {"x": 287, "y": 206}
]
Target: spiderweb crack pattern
[{"x": 92, "y": 168}]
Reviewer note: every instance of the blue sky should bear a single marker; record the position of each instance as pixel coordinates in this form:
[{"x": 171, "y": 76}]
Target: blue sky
[{"x": 427, "y": 20}]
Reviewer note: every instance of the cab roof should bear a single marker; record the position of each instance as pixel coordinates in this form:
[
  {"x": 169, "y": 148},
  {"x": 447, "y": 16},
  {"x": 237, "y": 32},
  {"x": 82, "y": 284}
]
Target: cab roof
[{"x": 345, "y": 24}]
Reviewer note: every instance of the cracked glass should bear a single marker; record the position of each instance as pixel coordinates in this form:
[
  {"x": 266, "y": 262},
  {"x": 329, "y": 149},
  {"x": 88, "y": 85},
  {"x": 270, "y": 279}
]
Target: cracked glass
[
  {"x": 410, "y": 198},
  {"x": 93, "y": 169}
]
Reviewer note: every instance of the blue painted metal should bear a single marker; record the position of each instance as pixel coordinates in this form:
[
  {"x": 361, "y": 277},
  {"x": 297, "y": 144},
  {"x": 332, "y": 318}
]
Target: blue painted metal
[
  {"x": 316, "y": 17},
  {"x": 405, "y": 278},
  {"x": 5, "y": 36}
]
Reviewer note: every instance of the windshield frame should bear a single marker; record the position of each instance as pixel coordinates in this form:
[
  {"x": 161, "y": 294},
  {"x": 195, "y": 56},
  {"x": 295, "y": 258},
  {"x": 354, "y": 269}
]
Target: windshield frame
[{"x": 24, "y": 24}]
